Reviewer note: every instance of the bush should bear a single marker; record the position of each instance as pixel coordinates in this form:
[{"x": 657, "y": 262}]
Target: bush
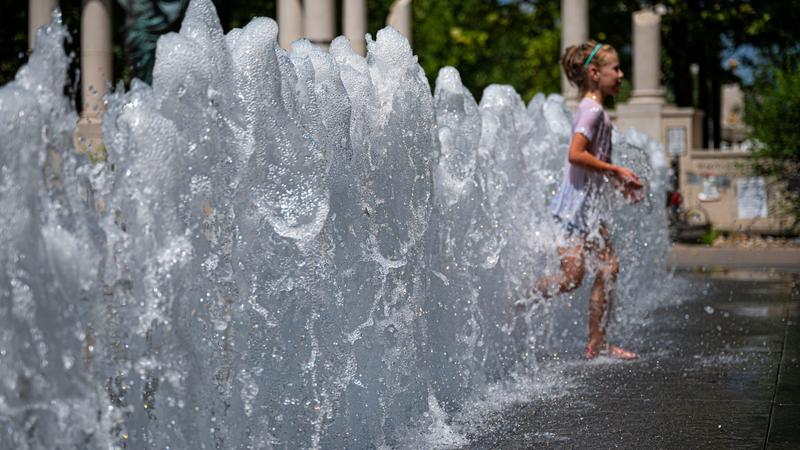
[
  {"x": 773, "y": 115},
  {"x": 709, "y": 237}
]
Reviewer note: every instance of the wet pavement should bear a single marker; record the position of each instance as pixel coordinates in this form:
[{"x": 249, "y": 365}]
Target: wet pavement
[
  {"x": 720, "y": 370},
  {"x": 689, "y": 256}
]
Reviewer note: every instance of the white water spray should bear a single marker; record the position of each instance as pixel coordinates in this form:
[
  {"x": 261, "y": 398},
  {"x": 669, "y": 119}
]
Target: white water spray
[{"x": 302, "y": 249}]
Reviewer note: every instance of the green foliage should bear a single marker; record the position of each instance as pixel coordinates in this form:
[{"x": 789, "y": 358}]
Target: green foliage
[
  {"x": 772, "y": 111},
  {"x": 769, "y": 26},
  {"x": 14, "y": 36},
  {"x": 503, "y": 42},
  {"x": 377, "y": 12},
  {"x": 709, "y": 237}
]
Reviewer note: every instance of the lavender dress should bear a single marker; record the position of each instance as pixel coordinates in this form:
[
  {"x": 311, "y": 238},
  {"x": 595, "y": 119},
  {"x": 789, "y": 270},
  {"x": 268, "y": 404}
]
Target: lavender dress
[{"x": 575, "y": 205}]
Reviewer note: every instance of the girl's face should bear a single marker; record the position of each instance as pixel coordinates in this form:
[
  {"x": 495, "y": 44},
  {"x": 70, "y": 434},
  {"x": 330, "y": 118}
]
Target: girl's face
[{"x": 607, "y": 76}]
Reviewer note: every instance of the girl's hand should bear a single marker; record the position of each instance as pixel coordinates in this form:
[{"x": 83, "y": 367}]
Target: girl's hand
[
  {"x": 628, "y": 178},
  {"x": 629, "y": 184},
  {"x": 633, "y": 195}
]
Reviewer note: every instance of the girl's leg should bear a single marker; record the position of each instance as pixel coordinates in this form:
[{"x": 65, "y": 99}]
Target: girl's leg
[
  {"x": 601, "y": 301},
  {"x": 571, "y": 275},
  {"x": 602, "y": 295}
]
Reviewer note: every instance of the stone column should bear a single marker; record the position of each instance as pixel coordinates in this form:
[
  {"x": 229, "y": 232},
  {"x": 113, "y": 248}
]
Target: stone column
[
  {"x": 96, "y": 71},
  {"x": 574, "y": 31},
  {"x": 319, "y": 21},
  {"x": 39, "y": 14},
  {"x": 401, "y": 17},
  {"x": 355, "y": 24},
  {"x": 290, "y": 22},
  {"x": 646, "y": 57},
  {"x": 645, "y": 109},
  {"x": 96, "y": 65}
]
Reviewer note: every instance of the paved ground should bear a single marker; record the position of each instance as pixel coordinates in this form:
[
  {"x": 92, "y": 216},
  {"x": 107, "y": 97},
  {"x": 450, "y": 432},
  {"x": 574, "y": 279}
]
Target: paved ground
[
  {"x": 684, "y": 256},
  {"x": 722, "y": 371}
]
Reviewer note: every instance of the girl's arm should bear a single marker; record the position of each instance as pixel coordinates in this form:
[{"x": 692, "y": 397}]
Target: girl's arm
[{"x": 580, "y": 155}]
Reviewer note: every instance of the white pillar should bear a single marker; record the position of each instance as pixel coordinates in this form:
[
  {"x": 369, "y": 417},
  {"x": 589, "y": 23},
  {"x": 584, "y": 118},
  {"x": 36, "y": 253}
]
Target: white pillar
[
  {"x": 355, "y": 24},
  {"x": 401, "y": 17},
  {"x": 96, "y": 65},
  {"x": 39, "y": 15},
  {"x": 646, "y": 58},
  {"x": 96, "y": 71},
  {"x": 645, "y": 110},
  {"x": 319, "y": 22},
  {"x": 290, "y": 22},
  {"x": 574, "y": 31}
]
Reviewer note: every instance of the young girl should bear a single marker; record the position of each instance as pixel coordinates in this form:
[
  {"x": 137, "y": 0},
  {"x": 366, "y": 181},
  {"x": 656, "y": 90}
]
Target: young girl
[{"x": 594, "y": 69}]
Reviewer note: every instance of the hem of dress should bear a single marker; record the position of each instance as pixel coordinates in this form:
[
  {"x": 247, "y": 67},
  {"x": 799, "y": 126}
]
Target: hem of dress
[{"x": 572, "y": 229}]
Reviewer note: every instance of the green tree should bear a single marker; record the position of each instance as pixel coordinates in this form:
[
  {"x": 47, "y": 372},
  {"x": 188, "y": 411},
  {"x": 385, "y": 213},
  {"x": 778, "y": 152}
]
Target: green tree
[
  {"x": 14, "y": 36},
  {"x": 768, "y": 26},
  {"x": 505, "y": 42},
  {"x": 698, "y": 31},
  {"x": 772, "y": 112}
]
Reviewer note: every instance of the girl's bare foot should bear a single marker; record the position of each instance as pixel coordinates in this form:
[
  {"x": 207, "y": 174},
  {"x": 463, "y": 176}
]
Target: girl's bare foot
[
  {"x": 620, "y": 353},
  {"x": 612, "y": 351}
]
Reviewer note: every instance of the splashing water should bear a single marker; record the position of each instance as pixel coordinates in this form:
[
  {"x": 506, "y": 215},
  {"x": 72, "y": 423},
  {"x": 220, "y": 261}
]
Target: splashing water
[{"x": 302, "y": 249}]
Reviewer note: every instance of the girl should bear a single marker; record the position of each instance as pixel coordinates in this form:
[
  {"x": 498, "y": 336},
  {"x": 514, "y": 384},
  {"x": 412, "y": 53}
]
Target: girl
[{"x": 594, "y": 69}]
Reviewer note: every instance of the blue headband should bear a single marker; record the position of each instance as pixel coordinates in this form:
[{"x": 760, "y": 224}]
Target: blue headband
[{"x": 594, "y": 52}]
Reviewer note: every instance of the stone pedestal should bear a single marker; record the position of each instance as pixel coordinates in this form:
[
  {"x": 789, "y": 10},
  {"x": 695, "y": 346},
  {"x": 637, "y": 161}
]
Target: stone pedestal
[
  {"x": 319, "y": 24},
  {"x": 645, "y": 117},
  {"x": 677, "y": 121},
  {"x": 678, "y": 129},
  {"x": 355, "y": 24},
  {"x": 290, "y": 22},
  {"x": 574, "y": 31},
  {"x": 644, "y": 109},
  {"x": 401, "y": 18},
  {"x": 88, "y": 138},
  {"x": 39, "y": 15}
]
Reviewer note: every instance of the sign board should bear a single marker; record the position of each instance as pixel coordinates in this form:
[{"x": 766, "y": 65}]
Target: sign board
[
  {"x": 676, "y": 141},
  {"x": 752, "y": 197},
  {"x": 710, "y": 189}
]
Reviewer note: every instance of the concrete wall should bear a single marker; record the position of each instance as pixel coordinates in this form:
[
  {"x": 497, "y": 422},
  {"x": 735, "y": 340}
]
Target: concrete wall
[{"x": 721, "y": 183}]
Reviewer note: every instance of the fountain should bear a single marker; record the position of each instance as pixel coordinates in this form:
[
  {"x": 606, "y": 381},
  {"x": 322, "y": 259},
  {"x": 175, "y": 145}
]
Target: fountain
[{"x": 274, "y": 249}]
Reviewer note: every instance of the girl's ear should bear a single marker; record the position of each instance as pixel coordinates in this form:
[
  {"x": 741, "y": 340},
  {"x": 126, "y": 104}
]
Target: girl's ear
[{"x": 593, "y": 72}]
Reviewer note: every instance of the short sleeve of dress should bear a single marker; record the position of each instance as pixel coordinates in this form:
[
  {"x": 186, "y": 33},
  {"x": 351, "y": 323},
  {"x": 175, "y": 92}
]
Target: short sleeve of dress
[{"x": 588, "y": 121}]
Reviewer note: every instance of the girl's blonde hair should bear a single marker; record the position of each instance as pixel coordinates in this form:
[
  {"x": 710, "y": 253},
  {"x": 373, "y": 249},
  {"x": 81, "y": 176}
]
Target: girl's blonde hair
[{"x": 574, "y": 61}]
